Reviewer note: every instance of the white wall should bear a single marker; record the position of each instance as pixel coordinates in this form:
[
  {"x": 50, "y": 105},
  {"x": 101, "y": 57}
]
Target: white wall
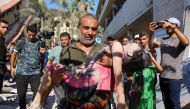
[
  {"x": 130, "y": 11},
  {"x": 187, "y": 25}
]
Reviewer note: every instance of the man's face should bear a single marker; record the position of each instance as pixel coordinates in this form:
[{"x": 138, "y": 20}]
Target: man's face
[
  {"x": 125, "y": 41},
  {"x": 65, "y": 41},
  {"x": 3, "y": 28},
  {"x": 144, "y": 40},
  {"x": 110, "y": 42},
  {"x": 169, "y": 31},
  {"x": 88, "y": 30},
  {"x": 136, "y": 40},
  {"x": 31, "y": 35}
]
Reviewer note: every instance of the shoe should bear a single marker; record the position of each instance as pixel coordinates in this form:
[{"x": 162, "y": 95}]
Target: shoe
[
  {"x": 2, "y": 98},
  {"x": 14, "y": 91},
  {"x": 12, "y": 80}
]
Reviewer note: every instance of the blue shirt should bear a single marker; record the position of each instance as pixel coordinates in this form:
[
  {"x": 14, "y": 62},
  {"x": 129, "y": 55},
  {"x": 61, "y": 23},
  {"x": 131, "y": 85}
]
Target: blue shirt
[
  {"x": 54, "y": 54},
  {"x": 29, "y": 57}
]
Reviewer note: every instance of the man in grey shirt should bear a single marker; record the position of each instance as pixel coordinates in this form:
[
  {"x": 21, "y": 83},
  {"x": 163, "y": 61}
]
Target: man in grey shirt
[{"x": 172, "y": 50}]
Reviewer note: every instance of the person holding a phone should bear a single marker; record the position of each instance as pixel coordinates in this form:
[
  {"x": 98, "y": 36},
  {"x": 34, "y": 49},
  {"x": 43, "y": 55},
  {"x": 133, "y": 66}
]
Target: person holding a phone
[{"x": 172, "y": 50}]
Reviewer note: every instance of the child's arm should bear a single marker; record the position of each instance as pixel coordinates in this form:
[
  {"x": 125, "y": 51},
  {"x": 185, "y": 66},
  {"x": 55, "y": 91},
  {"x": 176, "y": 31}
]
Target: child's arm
[
  {"x": 157, "y": 65},
  {"x": 117, "y": 52},
  {"x": 45, "y": 87}
]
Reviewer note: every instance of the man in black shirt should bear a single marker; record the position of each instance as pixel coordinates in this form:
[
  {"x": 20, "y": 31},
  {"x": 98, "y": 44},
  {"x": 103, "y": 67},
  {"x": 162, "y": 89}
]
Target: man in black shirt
[{"x": 3, "y": 31}]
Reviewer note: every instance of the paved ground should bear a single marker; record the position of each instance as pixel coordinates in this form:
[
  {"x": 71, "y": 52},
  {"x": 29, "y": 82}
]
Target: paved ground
[{"x": 9, "y": 100}]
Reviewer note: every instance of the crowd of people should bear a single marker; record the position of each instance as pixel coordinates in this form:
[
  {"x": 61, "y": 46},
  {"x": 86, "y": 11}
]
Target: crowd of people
[{"x": 119, "y": 74}]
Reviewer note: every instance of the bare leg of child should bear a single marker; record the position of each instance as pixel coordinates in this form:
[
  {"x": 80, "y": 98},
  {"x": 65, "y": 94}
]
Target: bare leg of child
[{"x": 44, "y": 89}]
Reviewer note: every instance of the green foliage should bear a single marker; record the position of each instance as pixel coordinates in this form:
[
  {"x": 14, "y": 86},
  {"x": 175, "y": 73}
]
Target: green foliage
[
  {"x": 35, "y": 7},
  {"x": 72, "y": 10},
  {"x": 100, "y": 31},
  {"x": 68, "y": 12}
]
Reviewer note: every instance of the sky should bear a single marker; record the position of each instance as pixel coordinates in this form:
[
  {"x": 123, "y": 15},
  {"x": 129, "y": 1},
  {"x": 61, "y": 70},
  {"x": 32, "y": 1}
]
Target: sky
[{"x": 54, "y": 6}]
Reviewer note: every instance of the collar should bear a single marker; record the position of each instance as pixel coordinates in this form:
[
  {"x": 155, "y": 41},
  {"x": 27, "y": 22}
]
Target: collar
[{"x": 74, "y": 45}]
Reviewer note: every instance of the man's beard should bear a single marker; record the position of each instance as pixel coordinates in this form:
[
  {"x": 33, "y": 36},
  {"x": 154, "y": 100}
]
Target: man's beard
[
  {"x": 169, "y": 32},
  {"x": 33, "y": 40},
  {"x": 64, "y": 45},
  {"x": 86, "y": 42}
]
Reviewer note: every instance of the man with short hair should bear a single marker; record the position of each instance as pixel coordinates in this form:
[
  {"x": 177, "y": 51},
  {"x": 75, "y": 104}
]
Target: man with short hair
[
  {"x": 74, "y": 56},
  {"x": 110, "y": 40},
  {"x": 54, "y": 54},
  {"x": 84, "y": 49},
  {"x": 54, "y": 57},
  {"x": 3, "y": 31},
  {"x": 28, "y": 66},
  {"x": 65, "y": 39},
  {"x": 172, "y": 50},
  {"x": 136, "y": 39},
  {"x": 125, "y": 40},
  {"x": 146, "y": 42},
  {"x": 81, "y": 52}
]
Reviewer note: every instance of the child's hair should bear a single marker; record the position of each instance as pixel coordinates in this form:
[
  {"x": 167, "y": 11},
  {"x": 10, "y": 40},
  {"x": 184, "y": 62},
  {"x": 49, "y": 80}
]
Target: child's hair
[{"x": 138, "y": 62}]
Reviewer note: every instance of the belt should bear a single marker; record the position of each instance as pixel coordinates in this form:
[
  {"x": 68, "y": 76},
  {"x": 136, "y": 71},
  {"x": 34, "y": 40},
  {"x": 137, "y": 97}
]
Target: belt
[{"x": 94, "y": 105}]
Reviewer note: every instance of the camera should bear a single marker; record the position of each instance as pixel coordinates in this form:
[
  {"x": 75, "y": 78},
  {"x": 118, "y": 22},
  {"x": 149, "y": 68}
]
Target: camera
[
  {"x": 45, "y": 35},
  {"x": 159, "y": 24}
]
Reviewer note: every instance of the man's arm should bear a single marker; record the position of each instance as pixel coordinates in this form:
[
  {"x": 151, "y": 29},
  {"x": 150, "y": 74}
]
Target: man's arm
[
  {"x": 152, "y": 29},
  {"x": 156, "y": 44},
  {"x": 183, "y": 38},
  {"x": 12, "y": 61}
]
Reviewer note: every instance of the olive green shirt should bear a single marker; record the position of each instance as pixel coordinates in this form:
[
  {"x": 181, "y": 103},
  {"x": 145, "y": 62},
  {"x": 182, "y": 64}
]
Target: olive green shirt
[{"x": 72, "y": 56}]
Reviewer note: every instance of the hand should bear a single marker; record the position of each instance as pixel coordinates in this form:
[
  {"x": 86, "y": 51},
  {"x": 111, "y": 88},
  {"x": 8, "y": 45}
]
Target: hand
[
  {"x": 105, "y": 61},
  {"x": 107, "y": 50},
  {"x": 122, "y": 106},
  {"x": 58, "y": 75},
  {"x": 168, "y": 25},
  {"x": 153, "y": 26}
]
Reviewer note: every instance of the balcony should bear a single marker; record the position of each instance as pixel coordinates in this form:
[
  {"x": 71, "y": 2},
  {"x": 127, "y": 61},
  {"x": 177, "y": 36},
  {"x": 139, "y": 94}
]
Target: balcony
[{"x": 130, "y": 11}]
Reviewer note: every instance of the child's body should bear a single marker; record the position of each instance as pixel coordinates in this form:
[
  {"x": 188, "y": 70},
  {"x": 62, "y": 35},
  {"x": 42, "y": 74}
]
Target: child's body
[{"x": 143, "y": 88}]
